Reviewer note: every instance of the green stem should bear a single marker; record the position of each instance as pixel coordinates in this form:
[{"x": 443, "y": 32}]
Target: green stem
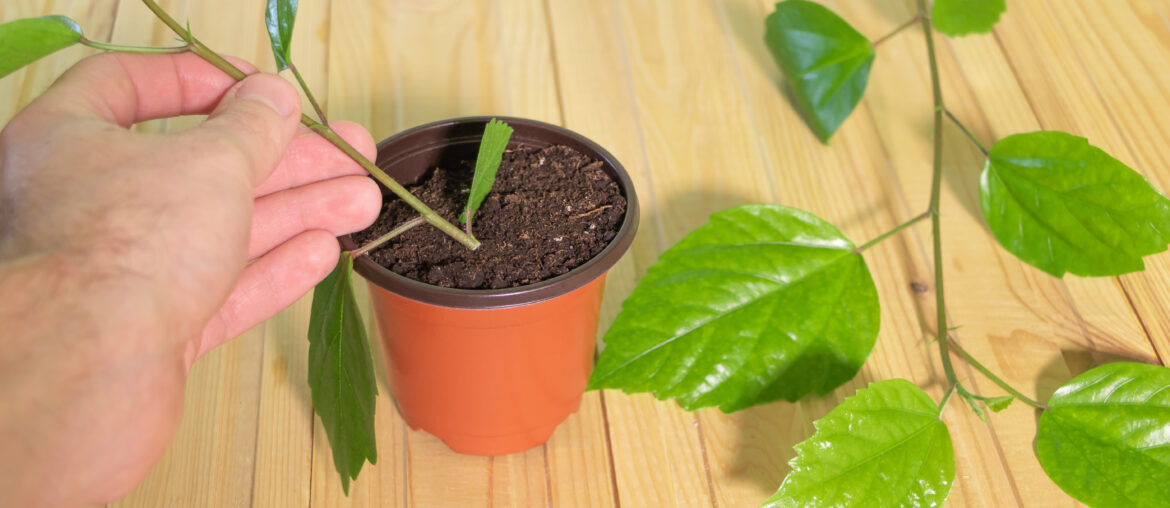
[
  {"x": 898, "y": 30},
  {"x": 966, "y": 132},
  {"x": 195, "y": 46},
  {"x": 132, "y": 49},
  {"x": 897, "y": 229},
  {"x": 308, "y": 93},
  {"x": 935, "y": 198},
  {"x": 325, "y": 131},
  {"x": 942, "y": 405},
  {"x": 427, "y": 214},
  {"x": 406, "y": 226},
  {"x": 996, "y": 379}
]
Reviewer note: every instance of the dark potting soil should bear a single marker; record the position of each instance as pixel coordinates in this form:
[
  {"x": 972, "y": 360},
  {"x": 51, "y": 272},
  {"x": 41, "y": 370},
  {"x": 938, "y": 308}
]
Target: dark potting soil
[{"x": 550, "y": 211}]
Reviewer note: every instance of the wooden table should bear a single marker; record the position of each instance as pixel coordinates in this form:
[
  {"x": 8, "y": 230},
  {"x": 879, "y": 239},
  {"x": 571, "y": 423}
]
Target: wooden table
[{"x": 686, "y": 95}]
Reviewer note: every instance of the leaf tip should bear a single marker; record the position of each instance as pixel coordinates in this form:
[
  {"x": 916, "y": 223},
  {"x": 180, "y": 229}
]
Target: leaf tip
[{"x": 66, "y": 21}]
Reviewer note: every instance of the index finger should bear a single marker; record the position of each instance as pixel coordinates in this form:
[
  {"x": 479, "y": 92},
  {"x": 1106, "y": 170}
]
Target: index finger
[{"x": 125, "y": 89}]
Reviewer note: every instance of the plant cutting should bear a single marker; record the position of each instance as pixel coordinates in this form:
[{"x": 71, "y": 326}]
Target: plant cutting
[{"x": 768, "y": 302}]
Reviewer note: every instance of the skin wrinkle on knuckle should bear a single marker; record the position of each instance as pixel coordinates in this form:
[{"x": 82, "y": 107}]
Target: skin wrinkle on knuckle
[
  {"x": 126, "y": 80},
  {"x": 102, "y": 68},
  {"x": 181, "y": 86}
]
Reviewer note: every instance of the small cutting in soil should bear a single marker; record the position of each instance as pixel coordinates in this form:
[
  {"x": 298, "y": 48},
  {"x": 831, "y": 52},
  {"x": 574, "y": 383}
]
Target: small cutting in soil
[{"x": 551, "y": 210}]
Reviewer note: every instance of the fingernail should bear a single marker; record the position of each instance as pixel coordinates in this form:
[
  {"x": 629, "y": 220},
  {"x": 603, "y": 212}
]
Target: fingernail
[{"x": 272, "y": 91}]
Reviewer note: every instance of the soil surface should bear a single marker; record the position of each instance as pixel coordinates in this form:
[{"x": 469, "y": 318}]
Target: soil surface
[{"x": 550, "y": 211}]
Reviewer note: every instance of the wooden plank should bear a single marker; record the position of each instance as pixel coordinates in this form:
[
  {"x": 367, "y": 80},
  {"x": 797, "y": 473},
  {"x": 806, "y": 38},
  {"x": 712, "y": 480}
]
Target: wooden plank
[
  {"x": 597, "y": 101},
  {"x": 1121, "y": 52},
  {"x": 209, "y": 462},
  {"x": 659, "y": 450},
  {"x": 704, "y": 157},
  {"x": 283, "y": 463},
  {"x": 655, "y": 445}
]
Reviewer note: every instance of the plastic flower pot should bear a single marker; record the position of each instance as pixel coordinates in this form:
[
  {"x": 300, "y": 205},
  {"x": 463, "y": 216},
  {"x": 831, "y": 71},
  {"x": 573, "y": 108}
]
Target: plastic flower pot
[{"x": 490, "y": 372}]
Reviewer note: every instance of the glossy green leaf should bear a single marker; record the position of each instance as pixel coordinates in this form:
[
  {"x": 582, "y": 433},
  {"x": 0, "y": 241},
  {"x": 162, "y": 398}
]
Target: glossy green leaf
[
  {"x": 1063, "y": 205},
  {"x": 279, "y": 16},
  {"x": 764, "y": 302},
  {"x": 491, "y": 151},
  {"x": 824, "y": 60},
  {"x": 1106, "y": 438},
  {"x": 961, "y": 17},
  {"x": 884, "y": 446},
  {"x": 341, "y": 374},
  {"x": 25, "y": 41}
]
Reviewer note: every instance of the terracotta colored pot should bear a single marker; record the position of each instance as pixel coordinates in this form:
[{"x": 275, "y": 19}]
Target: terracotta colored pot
[{"x": 490, "y": 372}]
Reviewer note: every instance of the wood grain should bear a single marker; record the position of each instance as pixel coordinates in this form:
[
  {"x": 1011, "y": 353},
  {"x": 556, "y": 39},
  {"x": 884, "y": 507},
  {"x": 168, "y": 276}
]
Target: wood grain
[{"x": 686, "y": 96}]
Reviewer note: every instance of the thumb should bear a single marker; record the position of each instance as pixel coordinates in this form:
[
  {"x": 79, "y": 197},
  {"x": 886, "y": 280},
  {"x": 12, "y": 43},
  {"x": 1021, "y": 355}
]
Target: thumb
[{"x": 252, "y": 125}]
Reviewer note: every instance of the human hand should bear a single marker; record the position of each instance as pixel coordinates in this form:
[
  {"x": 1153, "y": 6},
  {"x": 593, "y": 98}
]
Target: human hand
[{"x": 125, "y": 256}]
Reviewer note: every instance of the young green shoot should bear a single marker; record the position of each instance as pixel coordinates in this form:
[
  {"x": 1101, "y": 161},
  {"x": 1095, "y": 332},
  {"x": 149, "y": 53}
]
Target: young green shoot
[{"x": 491, "y": 151}]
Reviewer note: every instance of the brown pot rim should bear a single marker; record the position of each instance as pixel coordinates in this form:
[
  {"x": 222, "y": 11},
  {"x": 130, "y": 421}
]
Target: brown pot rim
[{"x": 523, "y": 295}]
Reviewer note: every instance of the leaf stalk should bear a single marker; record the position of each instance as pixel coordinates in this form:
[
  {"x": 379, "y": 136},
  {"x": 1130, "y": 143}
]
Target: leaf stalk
[
  {"x": 966, "y": 132},
  {"x": 897, "y": 31},
  {"x": 942, "y": 337},
  {"x": 897, "y": 229},
  {"x": 308, "y": 93},
  {"x": 946, "y": 398},
  {"x": 105, "y": 46},
  {"x": 373, "y": 244},
  {"x": 996, "y": 379},
  {"x": 935, "y": 198}
]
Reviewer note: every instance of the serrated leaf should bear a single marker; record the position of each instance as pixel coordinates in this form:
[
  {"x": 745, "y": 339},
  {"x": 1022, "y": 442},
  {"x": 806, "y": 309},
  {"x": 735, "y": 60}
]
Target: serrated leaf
[
  {"x": 25, "y": 41},
  {"x": 884, "y": 446},
  {"x": 961, "y": 17},
  {"x": 279, "y": 16},
  {"x": 824, "y": 59},
  {"x": 341, "y": 374},
  {"x": 491, "y": 151},
  {"x": 1063, "y": 205},
  {"x": 1106, "y": 438},
  {"x": 764, "y": 302},
  {"x": 998, "y": 404}
]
